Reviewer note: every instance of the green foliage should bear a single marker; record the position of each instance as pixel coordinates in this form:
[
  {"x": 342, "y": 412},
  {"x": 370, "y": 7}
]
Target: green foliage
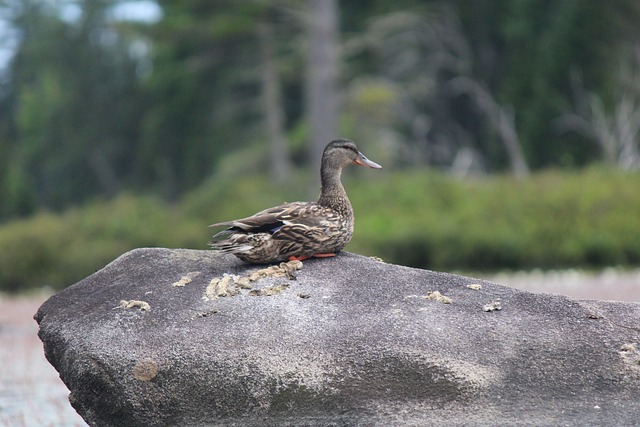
[
  {"x": 553, "y": 220},
  {"x": 56, "y": 250},
  {"x": 418, "y": 218}
]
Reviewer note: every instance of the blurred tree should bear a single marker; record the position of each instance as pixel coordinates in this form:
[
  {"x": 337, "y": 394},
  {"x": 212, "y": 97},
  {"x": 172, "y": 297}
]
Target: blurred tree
[
  {"x": 202, "y": 87},
  {"x": 273, "y": 106},
  {"x": 618, "y": 132},
  {"x": 215, "y": 87},
  {"x": 322, "y": 74},
  {"x": 414, "y": 53},
  {"x": 517, "y": 58},
  {"x": 543, "y": 42},
  {"x": 70, "y": 107}
]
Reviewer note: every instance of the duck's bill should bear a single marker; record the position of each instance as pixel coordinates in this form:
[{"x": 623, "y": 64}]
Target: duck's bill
[{"x": 363, "y": 161}]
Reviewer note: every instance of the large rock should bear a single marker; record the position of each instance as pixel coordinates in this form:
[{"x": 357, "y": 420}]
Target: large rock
[{"x": 345, "y": 341}]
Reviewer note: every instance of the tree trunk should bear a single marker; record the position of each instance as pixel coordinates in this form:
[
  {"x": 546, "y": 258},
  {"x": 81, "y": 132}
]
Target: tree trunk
[
  {"x": 505, "y": 122},
  {"x": 107, "y": 177},
  {"x": 321, "y": 97},
  {"x": 272, "y": 100}
]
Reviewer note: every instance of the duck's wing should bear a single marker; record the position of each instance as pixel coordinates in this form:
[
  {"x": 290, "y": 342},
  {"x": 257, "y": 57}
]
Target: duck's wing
[
  {"x": 272, "y": 219},
  {"x": 291, "y": 229}
]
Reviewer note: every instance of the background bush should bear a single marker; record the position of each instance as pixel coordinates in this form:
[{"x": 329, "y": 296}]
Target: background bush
[{"x": 418, "y": 218}]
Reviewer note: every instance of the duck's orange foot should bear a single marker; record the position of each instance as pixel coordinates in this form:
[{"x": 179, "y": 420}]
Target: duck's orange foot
[
  {"x": 323, "y": 255},
  {"x": 302, "y": 258}
]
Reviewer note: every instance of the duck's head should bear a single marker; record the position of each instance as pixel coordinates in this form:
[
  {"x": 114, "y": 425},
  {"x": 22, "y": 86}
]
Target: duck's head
[{"x": 342, "y": 152}]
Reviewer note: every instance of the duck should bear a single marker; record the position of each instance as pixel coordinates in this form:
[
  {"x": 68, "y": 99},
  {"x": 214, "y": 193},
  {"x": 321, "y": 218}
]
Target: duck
[{"x": 299, "y": 230}]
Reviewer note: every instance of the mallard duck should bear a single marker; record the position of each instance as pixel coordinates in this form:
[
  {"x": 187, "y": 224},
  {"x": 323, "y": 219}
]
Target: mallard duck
[{"x": 299, "y": 230}]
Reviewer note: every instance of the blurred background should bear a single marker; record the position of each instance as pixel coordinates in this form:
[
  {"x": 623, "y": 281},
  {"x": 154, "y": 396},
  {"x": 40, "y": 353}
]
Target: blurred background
[{"x": 508, "y": 129}]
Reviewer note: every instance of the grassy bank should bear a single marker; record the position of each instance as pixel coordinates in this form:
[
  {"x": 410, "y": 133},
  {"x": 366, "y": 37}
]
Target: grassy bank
[{"x": 588, "y": 219}]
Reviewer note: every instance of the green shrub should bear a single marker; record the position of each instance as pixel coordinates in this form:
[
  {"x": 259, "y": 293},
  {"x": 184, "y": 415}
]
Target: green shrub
[{"x": 553, "y": 220}]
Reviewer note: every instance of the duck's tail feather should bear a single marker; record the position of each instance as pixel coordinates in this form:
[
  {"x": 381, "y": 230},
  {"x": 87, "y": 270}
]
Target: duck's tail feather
[
  {"x": 230, "y": 242},
  {"x": 229, "y": 248}
]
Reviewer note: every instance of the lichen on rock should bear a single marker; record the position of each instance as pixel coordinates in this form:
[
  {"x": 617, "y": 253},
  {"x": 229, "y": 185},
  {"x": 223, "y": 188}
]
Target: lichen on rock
[
  {"x": 438, "y": 297},
  {"x": 142, "y": 305},
  {"x": 230, "y": 284}
]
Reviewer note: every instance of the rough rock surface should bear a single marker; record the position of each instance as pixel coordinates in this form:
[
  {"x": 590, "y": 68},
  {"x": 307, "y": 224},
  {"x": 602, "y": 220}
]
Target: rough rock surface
[{"x": 162, "y": 337}]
